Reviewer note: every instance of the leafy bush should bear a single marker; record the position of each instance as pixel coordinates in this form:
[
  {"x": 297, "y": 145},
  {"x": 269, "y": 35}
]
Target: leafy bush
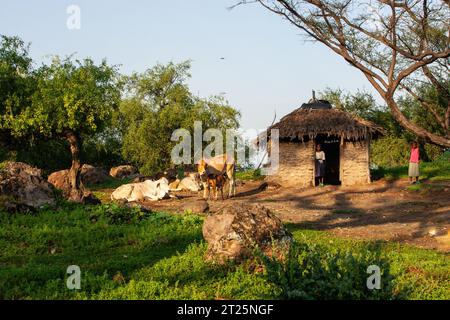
[
  {"x": 431, "y": 152},
  {"x": 117, "y": 214},
  {"x": 390, "y": 152},
  {"x": 438, "y": 169},
  {"x": 251, "y": 174},
  {"x": 315, "y": 272},
  {"x": 160, "y": 256}
]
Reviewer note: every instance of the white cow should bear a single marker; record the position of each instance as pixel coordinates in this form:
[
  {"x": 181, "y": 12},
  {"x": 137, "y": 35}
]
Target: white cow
[{"x": 147, "y": 190}]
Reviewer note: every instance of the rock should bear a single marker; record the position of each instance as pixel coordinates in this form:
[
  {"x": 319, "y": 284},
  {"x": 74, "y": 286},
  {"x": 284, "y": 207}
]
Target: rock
[
  {"x": 233, "y": 232},
  {"x": 89, "y": 175},
  {"x": 93, "y": 175},
  {"x": 196, "y": 206},
  {"x": 60, "y": 180},
  {"x": 147, "y": 190},
  {"x": 190, "y": 184},
  {"x": 121, "y": 172},
  {"x": 22, "y": 186}
]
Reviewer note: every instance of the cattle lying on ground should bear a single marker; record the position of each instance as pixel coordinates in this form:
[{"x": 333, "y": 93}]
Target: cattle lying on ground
[
  {"x": 141, "y": 191},
  {"x": 189, "y": 183}
]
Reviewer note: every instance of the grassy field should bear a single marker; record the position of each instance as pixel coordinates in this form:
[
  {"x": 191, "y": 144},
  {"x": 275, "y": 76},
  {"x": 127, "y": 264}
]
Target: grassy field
[
  {"x": 129, "y": 254},
  {"x": 436, "y": 171}
]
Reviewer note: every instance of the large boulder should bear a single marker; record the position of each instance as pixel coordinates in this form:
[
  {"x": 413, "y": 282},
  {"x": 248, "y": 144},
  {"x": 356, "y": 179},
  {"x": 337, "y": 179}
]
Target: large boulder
[
  {"x": 124, "y": 171},
  {"x": 60, "y": 180},
  {"x": 89, "y": 175},
  {"x": 22, "y": 187},
  {"x": 237, "y": 230},
  {"x": 93, "y": 175},
  {"x": 147, "y": 190}
]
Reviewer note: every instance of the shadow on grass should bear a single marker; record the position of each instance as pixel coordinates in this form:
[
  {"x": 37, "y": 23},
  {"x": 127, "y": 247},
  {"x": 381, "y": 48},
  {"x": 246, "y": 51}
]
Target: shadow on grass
[{"x": 40, "y": 248}]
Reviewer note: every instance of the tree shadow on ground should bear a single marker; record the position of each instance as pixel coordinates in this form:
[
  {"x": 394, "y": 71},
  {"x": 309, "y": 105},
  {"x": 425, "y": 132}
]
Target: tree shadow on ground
[{"x": 340, "y": 211}]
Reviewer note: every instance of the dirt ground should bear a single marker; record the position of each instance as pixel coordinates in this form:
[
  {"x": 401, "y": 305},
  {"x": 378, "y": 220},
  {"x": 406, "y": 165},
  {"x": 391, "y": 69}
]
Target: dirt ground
[{"x": 381, "y": 210}]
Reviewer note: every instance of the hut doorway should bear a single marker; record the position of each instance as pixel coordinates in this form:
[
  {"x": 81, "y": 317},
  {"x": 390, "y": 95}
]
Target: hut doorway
[{"x": 331, "y": 146}]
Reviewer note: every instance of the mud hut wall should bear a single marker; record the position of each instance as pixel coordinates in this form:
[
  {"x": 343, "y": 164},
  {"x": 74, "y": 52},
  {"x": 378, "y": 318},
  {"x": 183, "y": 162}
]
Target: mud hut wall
[
  {"x": 355, "y": 163},
  {"x": 296, "y": 164}
]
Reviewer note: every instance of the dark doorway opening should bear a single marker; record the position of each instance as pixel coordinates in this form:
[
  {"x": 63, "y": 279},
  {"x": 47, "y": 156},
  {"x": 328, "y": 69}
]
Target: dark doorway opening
[{"x": 330, "y": 145}]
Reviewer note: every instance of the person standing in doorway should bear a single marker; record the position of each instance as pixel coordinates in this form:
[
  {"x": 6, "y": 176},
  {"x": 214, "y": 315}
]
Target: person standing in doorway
[
  {"x": 320, "y": 164},
  {"x": 414, "y": 159}
]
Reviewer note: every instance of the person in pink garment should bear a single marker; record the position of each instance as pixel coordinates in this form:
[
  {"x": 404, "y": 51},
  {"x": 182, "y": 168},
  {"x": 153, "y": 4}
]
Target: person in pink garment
[{"x": 414, "y": 160}]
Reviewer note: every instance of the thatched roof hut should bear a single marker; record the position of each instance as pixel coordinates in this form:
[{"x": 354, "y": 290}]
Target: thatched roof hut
[
  {"x": 343, "y": 137},
  {"x": 303, "y": 122}
]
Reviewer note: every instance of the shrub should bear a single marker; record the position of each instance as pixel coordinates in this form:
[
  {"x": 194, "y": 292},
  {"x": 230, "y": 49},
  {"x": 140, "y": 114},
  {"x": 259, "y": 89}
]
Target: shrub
[
  {"x": 315, "y": 272},
  {"x": 117, "y": 214},
  {"x": 251, "y": 174},
  {"x": 390, "y": 152}
]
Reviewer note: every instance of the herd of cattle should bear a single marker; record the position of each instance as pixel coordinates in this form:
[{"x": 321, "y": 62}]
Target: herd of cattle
[{"x": 212, "y": 176}]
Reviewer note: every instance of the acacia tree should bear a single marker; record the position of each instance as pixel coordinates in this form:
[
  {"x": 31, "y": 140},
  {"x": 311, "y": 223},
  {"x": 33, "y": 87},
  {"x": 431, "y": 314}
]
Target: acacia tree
[
  {"x": 16, "y": 82},
  {"x": 159, "y": 101},
  {"x": 394, "y": 43},
  {"x": 72, "y": 99}
]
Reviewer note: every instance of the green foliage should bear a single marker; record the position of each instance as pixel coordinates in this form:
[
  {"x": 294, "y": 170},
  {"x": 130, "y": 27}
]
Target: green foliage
[
  {"x": 127, "y": 255},
  {"x": 430, "y": 152},
  {"x": 46, "y": 102},
  {"x": 110, "y": 183},
  {"x": 312, "y": 271},
  {"x": 17, "y": 84},
  {"x": 251, "y": 174},
  {"x": 393, "y": 149},
  {"x": 103, "y": 149},
  {"x": 390, "y": 151},
  {"x": 436, "y": 170},
  {"x": 407, "y": 272},
  {"x": 360, "y": 103},
  {"x": 116, "y": 214},
  {"x": 16, "y": 76},
  {"x": 158, "y": 103},
  {"x": 421, "y": 116},
  {"x": 70, "y": 95},
  {"x": 439, "y": 169}
]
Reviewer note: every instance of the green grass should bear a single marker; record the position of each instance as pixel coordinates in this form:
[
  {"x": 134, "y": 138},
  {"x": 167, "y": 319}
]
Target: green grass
[
  {"x": 438, "y": 170},
  {"x": 422, "y": 187},
  {"x": 249, "y": 175},
  {"x": 128, "y": 254},
  {"x": 110, "y": 183}
]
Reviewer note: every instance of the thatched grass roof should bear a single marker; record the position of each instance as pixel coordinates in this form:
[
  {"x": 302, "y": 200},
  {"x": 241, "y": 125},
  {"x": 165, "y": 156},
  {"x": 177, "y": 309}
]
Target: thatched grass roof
[{"x": 302, "y": 123}]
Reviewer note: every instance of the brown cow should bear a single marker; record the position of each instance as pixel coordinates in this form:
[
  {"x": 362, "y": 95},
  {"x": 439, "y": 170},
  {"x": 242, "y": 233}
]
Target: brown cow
[
  {"x": 215, "y": 184},
  {"x": 217, "y": 166}
]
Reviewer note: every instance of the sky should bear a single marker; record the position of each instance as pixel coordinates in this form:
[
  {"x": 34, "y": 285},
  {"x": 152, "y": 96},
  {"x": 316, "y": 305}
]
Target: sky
[{"x": 268, "y": 65}]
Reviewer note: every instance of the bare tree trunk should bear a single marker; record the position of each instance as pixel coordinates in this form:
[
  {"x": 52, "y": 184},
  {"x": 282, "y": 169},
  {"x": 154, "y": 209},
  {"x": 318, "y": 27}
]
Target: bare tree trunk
[{"x": 76, "y": 185}]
